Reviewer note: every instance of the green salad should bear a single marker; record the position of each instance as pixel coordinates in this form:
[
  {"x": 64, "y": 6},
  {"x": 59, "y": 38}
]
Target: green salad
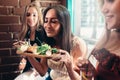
[{"x": 46, "y": 49}]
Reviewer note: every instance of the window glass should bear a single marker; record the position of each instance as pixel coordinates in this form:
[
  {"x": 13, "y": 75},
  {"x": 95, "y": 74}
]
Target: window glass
[
  {"x": 70, "y": 8},
  {"x": 88, "y": 21}
]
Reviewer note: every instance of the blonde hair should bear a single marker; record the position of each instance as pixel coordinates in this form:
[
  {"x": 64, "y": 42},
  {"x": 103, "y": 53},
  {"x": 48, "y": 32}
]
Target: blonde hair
[
  {"x": 101, "y": 2},
  {"x": 38, "y": 7},
  {"x": 104, "y": 39},
  {"x": 106, "y": 33}
]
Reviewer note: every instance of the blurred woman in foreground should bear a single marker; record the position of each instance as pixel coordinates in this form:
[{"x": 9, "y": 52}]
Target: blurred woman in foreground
[{"x": 105, "y": 58}]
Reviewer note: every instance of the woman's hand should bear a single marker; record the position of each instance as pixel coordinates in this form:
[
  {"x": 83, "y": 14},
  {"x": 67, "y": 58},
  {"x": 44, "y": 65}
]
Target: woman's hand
[
  {"x": 81, "y": 62},
  {"x": 62, "y": 56},
  {"x": 22, "y": 64},
  {"x": 18, "y": 44},
  {"x": 66, "y": 58}
]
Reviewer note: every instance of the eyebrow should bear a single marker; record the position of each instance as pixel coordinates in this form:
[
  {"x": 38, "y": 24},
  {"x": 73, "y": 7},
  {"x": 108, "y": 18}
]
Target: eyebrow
[
  {"x": 51, "y": 18},
  {"x": 31, "y": 12}
]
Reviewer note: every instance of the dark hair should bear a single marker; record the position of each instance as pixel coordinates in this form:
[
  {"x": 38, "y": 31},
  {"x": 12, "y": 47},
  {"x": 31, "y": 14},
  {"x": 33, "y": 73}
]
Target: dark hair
[{"x": 64, "y": 18}]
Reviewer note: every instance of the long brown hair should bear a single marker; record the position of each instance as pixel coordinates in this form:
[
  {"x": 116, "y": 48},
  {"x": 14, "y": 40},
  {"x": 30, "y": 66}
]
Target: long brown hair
[{"x": 65, "y": 34}]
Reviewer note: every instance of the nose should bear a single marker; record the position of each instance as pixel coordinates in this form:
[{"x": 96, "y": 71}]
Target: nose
[
  {"x": 47, "y": 24},
  {"x": 30, "y": 17},
  {"x": 105, "y": 9}
]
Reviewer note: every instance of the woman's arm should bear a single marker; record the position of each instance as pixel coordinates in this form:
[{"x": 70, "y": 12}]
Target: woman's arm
[
  {"x": 67, "y": 59},
  {"x": 41, "y": 66},
  {"x": 79, "y": 50},
  {"x": 73, "y": 74}
]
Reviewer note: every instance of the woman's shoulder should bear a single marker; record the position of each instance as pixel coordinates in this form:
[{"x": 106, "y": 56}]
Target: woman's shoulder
[
  {"x": 78, "y": 41},
  {"x": 79, "y": 45}
]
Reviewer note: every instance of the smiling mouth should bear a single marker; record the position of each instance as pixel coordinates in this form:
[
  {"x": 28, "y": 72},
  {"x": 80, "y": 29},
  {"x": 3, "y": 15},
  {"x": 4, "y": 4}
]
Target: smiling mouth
[
  {"x": 48, "y": 31},
  {"x": 108, "y": 18}
]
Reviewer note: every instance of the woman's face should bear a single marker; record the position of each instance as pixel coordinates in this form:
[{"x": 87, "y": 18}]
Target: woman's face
[
  {"x": 32, "y": 17},
  {"x": 51, "y": 24},
  {"x": 111, "y": 11}
]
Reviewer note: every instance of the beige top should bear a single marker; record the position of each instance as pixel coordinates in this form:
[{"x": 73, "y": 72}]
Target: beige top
[{"x": 58, "y": 69}]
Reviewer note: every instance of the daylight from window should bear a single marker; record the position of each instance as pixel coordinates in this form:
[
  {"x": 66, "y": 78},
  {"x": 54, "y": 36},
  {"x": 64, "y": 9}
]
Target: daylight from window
[{"x": 87, "y": 20}]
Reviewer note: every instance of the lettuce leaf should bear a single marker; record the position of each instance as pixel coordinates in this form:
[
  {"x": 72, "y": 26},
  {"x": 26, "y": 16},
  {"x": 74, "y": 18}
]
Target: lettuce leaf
[{"x": 45, "y": 47}]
